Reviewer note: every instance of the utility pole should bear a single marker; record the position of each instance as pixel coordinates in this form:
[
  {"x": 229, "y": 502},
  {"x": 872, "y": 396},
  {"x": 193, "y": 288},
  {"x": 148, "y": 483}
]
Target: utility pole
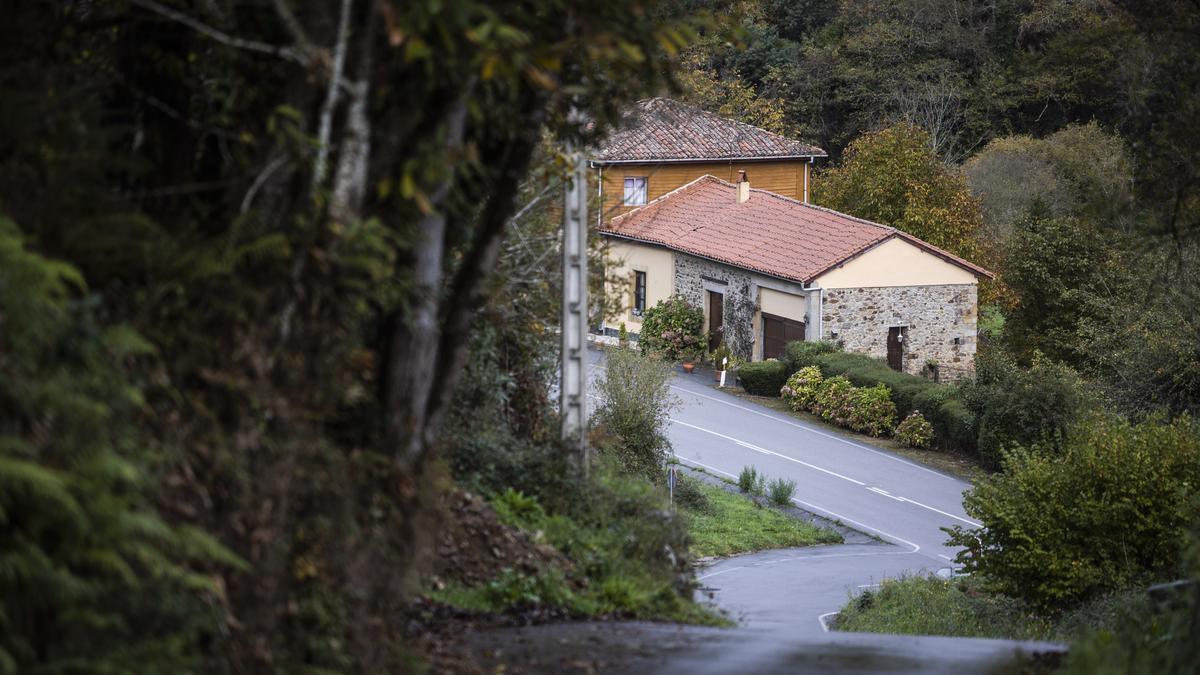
[{"x": 573, "y": 383}]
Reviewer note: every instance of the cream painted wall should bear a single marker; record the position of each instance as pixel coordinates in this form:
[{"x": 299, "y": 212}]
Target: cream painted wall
[
  {"x": 627, "y": 258},
  {"x": 786, "y": 305},
  {"x": 895, "y": 263}
]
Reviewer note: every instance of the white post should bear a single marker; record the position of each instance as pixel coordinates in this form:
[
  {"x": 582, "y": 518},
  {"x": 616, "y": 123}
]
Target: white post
[{"x": 573, "y": 385}]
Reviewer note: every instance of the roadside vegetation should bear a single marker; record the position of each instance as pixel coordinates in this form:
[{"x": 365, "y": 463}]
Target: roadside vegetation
[{"x": 722, "y": 523}]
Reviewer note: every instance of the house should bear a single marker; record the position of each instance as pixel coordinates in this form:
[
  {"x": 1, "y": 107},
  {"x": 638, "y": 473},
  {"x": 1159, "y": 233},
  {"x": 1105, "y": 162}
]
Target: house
[
  {"x": 664, "y": 144},
  {"x": 769, "y": 268}
]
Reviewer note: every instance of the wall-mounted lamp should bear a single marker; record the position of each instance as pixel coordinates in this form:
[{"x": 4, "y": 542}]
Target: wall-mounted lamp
[{"x": 833, "y": 332}]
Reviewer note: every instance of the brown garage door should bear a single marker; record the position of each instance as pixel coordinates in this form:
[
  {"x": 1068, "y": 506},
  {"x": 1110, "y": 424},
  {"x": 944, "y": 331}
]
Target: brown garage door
[{"x": 777, "y": 332}]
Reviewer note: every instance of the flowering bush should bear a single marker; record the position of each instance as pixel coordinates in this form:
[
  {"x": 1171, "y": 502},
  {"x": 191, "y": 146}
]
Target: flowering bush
[
  {"x": 801, "y": 388},
  {"x": 672, "y": 328},
  {"x": 834, "y": 400},
  {"x": 872, "y": 411},
  {"x": 915, "y": 431}
]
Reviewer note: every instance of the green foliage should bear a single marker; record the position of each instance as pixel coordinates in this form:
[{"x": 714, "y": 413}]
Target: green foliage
[
  {"x": 737, "y": 524},
  {"x": 672, "y": 329},
  {"x": 834, "y": 400},
  {"x": 801, "y": 388},
  {"x": 872, "y": 411},
  {"x": 92, "y": 578},
  {"x": 802, "y": 353},
  {"x": 1053, "y": 266},
  {"x": 763, "y": 378},
  {"x": 751, "y": 481},
  {"x": 1022, "y": 406},
  {"x": 893, "y": 177},
  {"x": 1106, "y": 511},
  {"x": 915, "y": 431},
  {"x": 917, "y": 605},
  {"x": 780, "y": 491},
  {"x": 635, "y": 407},
  {"x": 953, "y": 423},
  {"x": 865, "y": 371},
  {"x": 630, "y": 553},
  {"x": 690, "y": 495},
  {"x": 1145, "y": 634}
]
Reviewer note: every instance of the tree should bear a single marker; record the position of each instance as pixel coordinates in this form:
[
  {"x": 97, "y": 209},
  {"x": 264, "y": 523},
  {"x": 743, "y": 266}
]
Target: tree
[
  {"x": 1054, "y": 267},
  {"x": 892, "y": 177},
  {"x": 300, "y": 207}
]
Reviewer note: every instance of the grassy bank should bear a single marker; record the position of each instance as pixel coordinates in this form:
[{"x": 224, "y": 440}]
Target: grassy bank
[
  {"x": 958, "y": 608},
  {"x": 624, "y": 555},
  {"x": 723, "y": 523}
]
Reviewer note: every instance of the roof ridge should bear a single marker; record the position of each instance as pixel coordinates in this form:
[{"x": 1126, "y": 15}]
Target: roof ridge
[
  {"x": 826, "y": 209},
  {"x": 663, "y": 197}
]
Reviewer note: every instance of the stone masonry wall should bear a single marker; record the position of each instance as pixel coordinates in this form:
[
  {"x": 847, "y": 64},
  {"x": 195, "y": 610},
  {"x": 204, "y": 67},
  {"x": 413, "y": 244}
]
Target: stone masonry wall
[
  {"x": 933, "y": 315},
  {"x": 691, "y": 276}
]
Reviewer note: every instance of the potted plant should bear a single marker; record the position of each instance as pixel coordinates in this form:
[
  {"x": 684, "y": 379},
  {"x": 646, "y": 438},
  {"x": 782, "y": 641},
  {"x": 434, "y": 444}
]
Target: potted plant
[
  {"x": 672, "y": 329},
  {"x": 722, "y": 358}
]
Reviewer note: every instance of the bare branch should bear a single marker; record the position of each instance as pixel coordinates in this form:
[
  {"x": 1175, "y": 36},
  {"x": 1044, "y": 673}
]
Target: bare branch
[
  {"x": 289, "y": 53},
  {"x": 261, "y": 180},
  {"x": 332, "y": 94},
  {"x": 284, "y": 10}
]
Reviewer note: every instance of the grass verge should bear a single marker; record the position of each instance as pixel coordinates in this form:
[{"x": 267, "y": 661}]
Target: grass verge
[
  {"x": 957, "y": 464},
  {"x": 722, "y": 523},
  {"x": 918, "y": 605}
]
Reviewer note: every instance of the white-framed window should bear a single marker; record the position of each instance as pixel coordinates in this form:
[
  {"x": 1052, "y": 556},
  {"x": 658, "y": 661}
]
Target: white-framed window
[
  {"x": 639, "y": 293},
  {"x": 635, "y": 191}
]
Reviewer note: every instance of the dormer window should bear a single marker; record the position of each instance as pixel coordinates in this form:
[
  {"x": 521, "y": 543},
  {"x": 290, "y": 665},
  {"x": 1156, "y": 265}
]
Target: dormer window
[{"x": 635, "y": 191}]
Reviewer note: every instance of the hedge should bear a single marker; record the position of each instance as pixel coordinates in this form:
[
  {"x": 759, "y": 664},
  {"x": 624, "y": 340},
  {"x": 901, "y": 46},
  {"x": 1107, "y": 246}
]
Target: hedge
[
  {"x": 801, "y": 354},
  {"x": 764, "y": 378},
  {"x": 942, "y": 404},
  {"x": 953, "y": 423},
  {"x": 864, "y": 371}
]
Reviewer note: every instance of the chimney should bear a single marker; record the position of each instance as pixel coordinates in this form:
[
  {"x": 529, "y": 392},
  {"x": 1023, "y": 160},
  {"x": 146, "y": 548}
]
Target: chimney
[{"x": 743, "y": 187}]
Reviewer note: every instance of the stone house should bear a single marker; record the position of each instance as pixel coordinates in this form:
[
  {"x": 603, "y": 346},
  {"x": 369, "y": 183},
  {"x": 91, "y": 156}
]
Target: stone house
[{"x": 769, "y": 268}]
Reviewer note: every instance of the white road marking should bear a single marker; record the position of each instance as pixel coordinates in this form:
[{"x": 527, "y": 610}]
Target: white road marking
[
  {"x": 755, "y": 448},
  {"x": 819, "y": 433},
  {"x": 946, "y": 557},
  {"x": 879, "y": 491},
  {"x": 821, "y": 620},
  {"x": 822, "y": 509}
]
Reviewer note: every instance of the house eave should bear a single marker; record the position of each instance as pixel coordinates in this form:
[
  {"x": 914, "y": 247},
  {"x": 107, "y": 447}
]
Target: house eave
[{"x": 703, "y": 160}]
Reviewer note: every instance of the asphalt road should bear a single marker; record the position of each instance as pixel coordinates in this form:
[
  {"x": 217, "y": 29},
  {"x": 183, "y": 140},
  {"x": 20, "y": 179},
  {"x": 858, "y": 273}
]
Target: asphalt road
[{"x": 867, "y": 488}]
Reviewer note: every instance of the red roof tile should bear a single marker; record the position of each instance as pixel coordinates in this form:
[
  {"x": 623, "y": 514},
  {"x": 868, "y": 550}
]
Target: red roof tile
[
  {"x": 767, "y": 233},
  {"x": 661, "y": 129}
]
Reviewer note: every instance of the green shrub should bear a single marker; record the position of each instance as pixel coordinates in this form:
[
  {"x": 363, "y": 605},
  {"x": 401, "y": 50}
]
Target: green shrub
[
  {"x": 750, "y": 481},
  {"x": 834, "y": 400},
  {"x": 801, "y": 388},
  {"x": 672, "y": 329},
  {"x": 780, "y": 491},
  {"x": 802, "y": 354},
  {"x": 872, "y": 411},
  {"x": 763, "y": 378},
  {"x": 688, "y": 495},
  {"x": 864, "y": 371},
  {"x": 915, "y": 431},
  {"x": 953, "y": 424},
  {"x": 635, "y": 406},
  {"x": 1022, "y": 406},
  {"x": 1106, "y": 511},
  {"x": 931, "y": 606}
]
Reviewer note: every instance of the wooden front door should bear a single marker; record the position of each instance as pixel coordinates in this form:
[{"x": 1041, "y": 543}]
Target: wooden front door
[
  {"x": 895, "y": 349},
  {"x": 777, "y": 332},
  {"x": 716, "y": 320}
]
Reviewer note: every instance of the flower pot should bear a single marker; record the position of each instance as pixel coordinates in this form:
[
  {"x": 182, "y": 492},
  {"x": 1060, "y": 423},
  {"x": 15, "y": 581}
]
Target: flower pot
[{"x": 689, "y": 367}]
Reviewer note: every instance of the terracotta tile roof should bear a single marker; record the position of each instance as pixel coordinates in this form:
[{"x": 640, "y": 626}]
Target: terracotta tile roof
[
  {"x": 768, "y": 233},
  {"x": 661, "y": 130}
]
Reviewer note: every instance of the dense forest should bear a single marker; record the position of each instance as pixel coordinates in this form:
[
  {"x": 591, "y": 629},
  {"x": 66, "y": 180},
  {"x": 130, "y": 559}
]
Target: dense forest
[{"x": 278, "y": 277}]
